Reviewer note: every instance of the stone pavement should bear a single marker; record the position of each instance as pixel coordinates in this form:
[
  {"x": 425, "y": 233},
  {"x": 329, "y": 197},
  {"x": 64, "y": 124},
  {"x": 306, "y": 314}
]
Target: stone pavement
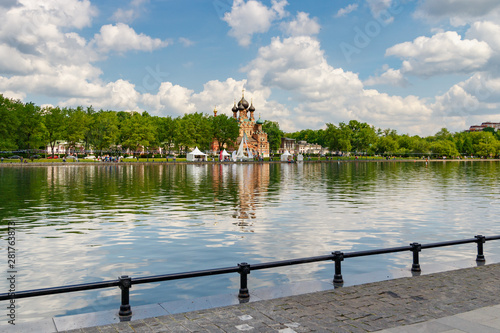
[{"x": 439, "y": 302}]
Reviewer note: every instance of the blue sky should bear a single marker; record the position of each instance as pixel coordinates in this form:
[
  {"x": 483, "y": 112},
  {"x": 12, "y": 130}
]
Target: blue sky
[{"x": 413, "y": 66}]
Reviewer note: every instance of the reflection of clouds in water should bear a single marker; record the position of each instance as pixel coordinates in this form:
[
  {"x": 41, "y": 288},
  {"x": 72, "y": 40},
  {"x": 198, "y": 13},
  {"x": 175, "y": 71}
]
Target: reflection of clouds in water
[
  {"x": 371, "y": 213},
  {"x": 158, "y": 219}
]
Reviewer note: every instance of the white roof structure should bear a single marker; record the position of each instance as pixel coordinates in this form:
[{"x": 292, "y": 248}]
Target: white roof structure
[
  {"x": 225, "y": 153},
  {"x": 285, "y": 156},
  {"x": 196, "y": 155}
]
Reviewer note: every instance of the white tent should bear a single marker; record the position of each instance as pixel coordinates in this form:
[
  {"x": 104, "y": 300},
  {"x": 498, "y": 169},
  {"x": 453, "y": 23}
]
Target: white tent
[
  {"x": 196, "y": 156},
  {"x": 222, "y": 156},
  {"x": 285, "y": 156},
  {"x": 300, "y": 158}
]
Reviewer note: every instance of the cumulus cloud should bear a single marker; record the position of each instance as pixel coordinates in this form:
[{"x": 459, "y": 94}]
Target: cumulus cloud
[
  {"x": 172, "y": 99},
  {"x": 347, "y": 10},
  {"x": 458, "y": 12},
  {"x": 40, "y": 53},
  {"x": 443, "y": 53},
  {"x": 327, "y": 94},
  {"x": 121, "y": 38},
  {"x": 301, "y": 26},
  {"x": 488, "y": 32},
  {"x": 248, "y": 18},
  {"x": 378, "y": 6},
  {"x": 391, "y": 76},
  {"x": 186, "y": 41},
  {"x": 135, "y": 9}
]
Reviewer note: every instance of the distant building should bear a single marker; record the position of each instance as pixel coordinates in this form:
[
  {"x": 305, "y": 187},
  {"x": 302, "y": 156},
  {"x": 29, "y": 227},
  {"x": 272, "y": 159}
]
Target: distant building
[
  {"x": 478, "y": 128},
  {"x": 300, "y": 147},
  {"x": 287, "y": 144}
]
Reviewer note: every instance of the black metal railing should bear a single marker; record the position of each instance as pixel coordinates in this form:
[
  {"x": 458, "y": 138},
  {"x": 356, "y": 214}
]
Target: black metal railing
[{"x": 125, "y": 282}]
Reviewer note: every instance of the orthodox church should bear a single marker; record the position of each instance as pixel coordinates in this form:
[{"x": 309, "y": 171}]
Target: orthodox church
[{"x": 255, "y": 136}]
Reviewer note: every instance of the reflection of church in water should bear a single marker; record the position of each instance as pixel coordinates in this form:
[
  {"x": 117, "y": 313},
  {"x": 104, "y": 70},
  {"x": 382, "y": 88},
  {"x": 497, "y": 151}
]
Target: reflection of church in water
[
  {"x": 255, "y": 136},
  {"x": 251, "y": 182}
]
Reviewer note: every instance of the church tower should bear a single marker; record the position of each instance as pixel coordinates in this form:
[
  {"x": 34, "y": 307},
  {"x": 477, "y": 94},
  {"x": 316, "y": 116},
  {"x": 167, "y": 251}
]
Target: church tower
[{"x": 257, "y": 139}]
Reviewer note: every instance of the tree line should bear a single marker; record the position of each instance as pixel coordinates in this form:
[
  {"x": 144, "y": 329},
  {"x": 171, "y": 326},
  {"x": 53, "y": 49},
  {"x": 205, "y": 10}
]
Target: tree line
[
  {"x": 28, "y": 127},
  {"x": 361, "y": 138}
]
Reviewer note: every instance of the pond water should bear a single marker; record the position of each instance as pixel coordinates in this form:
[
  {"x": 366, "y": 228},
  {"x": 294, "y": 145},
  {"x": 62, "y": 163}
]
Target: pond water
[{"x": 77, "y": 224}]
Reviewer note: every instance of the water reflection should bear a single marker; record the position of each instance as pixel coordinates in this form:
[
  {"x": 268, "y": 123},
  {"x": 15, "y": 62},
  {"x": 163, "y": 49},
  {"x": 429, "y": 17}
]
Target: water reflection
[{"x": 88, "y": 223}]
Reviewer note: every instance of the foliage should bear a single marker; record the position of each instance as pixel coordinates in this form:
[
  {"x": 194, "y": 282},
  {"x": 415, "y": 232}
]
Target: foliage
[
  {"x": 9, "y": 123},
  {"x": 224, "y": 129},
  {"x": 274, "y": 134},
  {"x": 25, "y": 126}
]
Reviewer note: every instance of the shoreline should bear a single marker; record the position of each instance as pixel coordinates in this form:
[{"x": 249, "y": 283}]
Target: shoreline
[{"x": 61, "y": 163}]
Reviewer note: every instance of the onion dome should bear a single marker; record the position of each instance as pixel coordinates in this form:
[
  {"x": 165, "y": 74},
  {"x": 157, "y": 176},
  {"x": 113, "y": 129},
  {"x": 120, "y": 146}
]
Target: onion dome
[
  {"x": 251, "y": 108},
  {"x": 234, "y": 109},
  {"x": 259, "y": 121},
  {"x": 244, "y": 102}
]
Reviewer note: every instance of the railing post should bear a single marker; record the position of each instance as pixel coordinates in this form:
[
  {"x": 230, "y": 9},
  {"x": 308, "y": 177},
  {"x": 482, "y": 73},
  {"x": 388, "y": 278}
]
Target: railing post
[
  {"x": 125, "y": 285},
  {"x": 338, "y": 257},
  {"x": 480, "y": 241},
  {"x": 244, "y": 271},
  {"x": 416, "y": 248}
]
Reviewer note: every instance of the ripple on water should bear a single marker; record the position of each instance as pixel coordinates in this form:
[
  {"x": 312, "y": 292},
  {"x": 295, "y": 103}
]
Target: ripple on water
[{"x": 86, "y": 224}]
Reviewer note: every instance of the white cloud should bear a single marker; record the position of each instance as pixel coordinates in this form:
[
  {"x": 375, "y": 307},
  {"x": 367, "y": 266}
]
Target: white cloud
[
  {"x": 177, "y": 100},
  {"x": 391, "y": 76},
  {"x": 122, "y": 15},
  {"x": 347, "y": 10},
  {"x": 328, "y": 94},
  {"x": 378, "y": 6},
  {"x": 483, "y": 86},
  {"x": 135, "y": 9},
  {"x": 121, "y": 38},
  {"x": 38, "y": 56},
  {"x": 488, "y": 32},
  {"x": 458, "y": 12},
  {"x": 298, "y": 63},
  {"x": 186, "y": 42},
  {"x": 443, "y": 53},
  {"x": 248, "y": 18},
  {"x": 301, "y": 26}
]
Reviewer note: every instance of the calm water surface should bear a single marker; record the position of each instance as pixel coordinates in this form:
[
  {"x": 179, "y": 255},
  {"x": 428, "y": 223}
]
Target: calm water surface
[{"x": 77, "y": 224}]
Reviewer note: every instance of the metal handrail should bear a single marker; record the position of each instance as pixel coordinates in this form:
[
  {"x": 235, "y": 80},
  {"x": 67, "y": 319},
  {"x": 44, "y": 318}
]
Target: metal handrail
[{"x": 125, "y": 282}]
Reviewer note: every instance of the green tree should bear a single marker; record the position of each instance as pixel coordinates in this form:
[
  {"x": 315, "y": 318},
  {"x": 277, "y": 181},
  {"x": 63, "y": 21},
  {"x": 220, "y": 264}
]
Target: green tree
[
  {"x": 483, "y": 143},
  {"x": 338, "y": 138},
  {"x": 274, "y": 134},
  {"x": 463, "y": 142},
  {"x": 54, "y": 120},
  {"x": 137, "y": 132},
  {"x": 166, "y": 131},
  {"x": 419, "y": 145},
  {"x": 77, "y": 124},
  {"x": 443, "y": 134},
  {"x": 195, "y": 129},
  {"x": 9, "y": 123},
  {"x": 32, "y": 130},
  {"x": 225, "y": 129},
  {"x": 104, "y": 130},
  {"x": 444, "y": 148},
  {"x": 89, "y": 130},
  {"x": 386, "y": 145}
]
